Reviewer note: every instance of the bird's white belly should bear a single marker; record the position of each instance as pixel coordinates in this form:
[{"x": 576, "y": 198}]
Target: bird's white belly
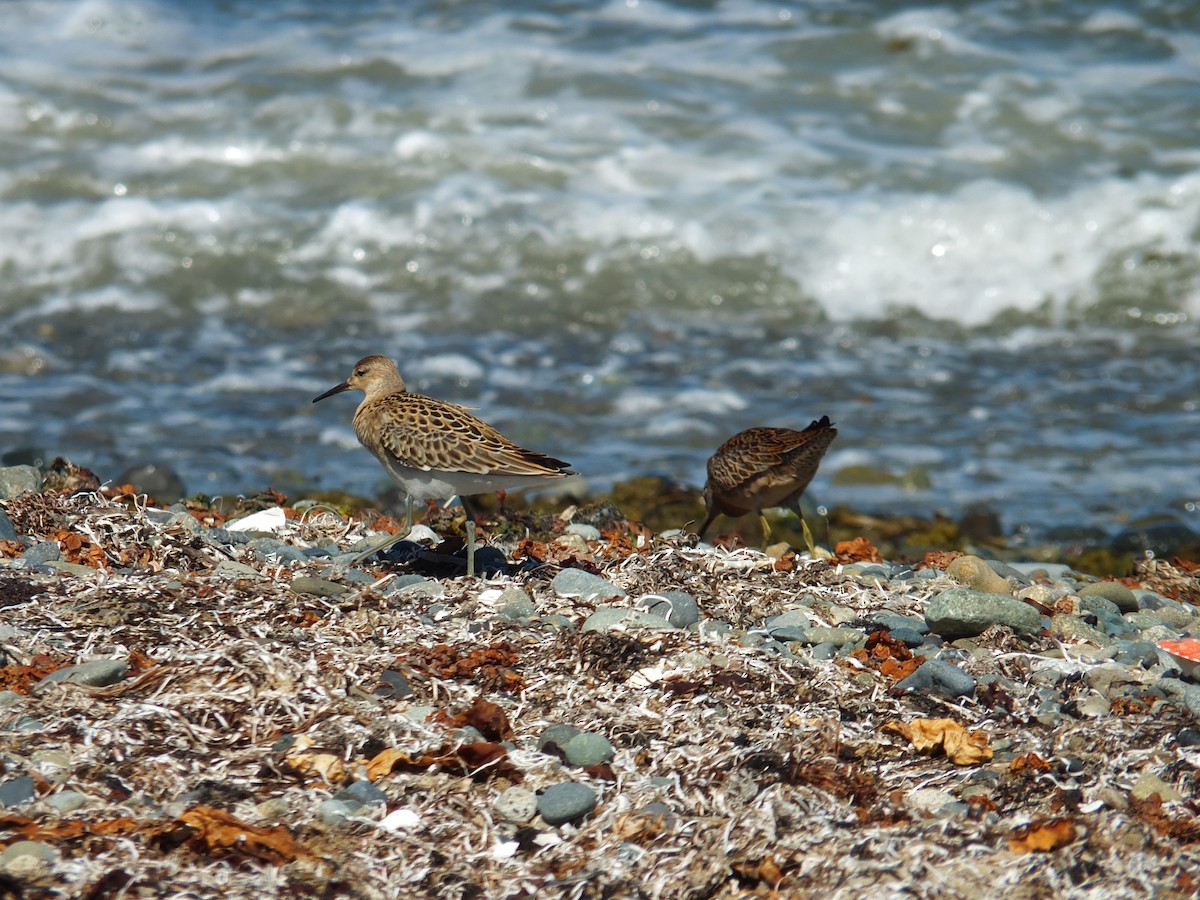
[{"x": 439, "y": 484}]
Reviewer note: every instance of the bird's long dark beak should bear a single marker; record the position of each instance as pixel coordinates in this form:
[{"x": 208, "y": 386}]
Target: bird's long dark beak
[{"x": 336, "y": 389}]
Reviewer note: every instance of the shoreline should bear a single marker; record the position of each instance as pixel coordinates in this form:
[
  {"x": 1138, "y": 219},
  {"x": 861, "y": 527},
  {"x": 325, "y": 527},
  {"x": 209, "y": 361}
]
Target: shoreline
[{"x": 189, "y": 706}]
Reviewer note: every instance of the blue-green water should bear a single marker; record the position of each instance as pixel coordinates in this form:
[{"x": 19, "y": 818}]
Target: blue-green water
[{"x": 966, "y": 232}]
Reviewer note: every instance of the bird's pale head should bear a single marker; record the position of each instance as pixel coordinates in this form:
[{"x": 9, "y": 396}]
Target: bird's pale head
[{"x": 373, "y": 375}]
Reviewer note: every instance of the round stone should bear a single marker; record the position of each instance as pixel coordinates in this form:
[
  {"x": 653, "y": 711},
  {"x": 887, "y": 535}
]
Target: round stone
[
  {"x": 517, "y": 804},
  {"x": 1113, "y": 592},
  {"x": 566, "y": 802},
  {"x": 583, "y": 585},
  {"x": 588, "y": 749},
  {"x": 558, "y": 735},
  {"x": 961, "y": 612},
  {"x": 977, "y": 575}
]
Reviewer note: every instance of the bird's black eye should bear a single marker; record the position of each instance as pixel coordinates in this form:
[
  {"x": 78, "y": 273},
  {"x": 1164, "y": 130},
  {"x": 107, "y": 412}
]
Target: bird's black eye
[{"x": 360, "y": 372}]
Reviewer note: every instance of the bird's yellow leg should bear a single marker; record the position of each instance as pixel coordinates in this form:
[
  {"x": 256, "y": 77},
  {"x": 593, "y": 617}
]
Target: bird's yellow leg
[
  {"x": 808, "y": 538},
  {"x": 470, "y": 526},
  {"x": 766, "y": 530}
]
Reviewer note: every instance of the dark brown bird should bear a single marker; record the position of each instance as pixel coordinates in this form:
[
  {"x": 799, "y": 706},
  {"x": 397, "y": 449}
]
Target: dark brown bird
[{"x": 762, "y": 468}]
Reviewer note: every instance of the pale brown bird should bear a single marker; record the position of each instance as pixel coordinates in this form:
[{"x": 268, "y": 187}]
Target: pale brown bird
[
  {"x": 433, "y": 449},
  {"x": 762, "y": 468}
]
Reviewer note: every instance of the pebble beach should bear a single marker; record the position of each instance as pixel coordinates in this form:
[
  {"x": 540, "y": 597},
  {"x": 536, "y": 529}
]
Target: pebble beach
[{"x": 256, "y": 702}]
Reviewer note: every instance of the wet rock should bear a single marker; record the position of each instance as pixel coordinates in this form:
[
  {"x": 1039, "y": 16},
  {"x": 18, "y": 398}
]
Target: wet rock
[
  {"x": 566, "y": 802},
  {"x": 584, "y": 586},
  {"x": 95, "y": 673},
  {"x": 940, "y": 677},
  {"x": 962, "y": 612},
  {"x": 1113, "y": 592},
  {"x": 159, "y": 481},
  {"x": 977, "y": 575},
  {"x": 16, "y": 481},
  {"x": 588, "y": 749}
]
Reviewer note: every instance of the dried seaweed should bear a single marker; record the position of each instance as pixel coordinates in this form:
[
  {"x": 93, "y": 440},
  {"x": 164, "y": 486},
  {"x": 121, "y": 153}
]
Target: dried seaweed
[{"x": 248, "y": 705}]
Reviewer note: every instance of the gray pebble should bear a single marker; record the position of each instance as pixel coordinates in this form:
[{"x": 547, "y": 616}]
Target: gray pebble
[
  {"x": 265, "y": 548},
  {"x": 839, "y": 637},
  {"x": 894, "y": 621},
  {"x": 361, "y": 793},
  {"x": 41, "y": 553},
  {"x": 961, "y": 612},
  {"x": 393, "y": 684},
  {"x": 1052, "y": 571},
  {"x": 1189, "y": 737},
  {"x": 559, "y": 735},
  {"x": 514, "y": 603},
  {"x": 940, "y": 677},
  {"x": 823, "y": 651},
  {"x": 517, "y": 804},
  {"x": 1004, "y": 570},
  {"x": 1113, "y": 592},
  {"x": 318, "y": 587},
  {"x": 233, "y": 569},
  {"x": 588, "y": 749},
  {"x": 17, "y": 791},
  {"x": 1135, "y": 653},
  {"x": 1151, "y": 599},
  {"x": 333, "y": 812},
  {"x": 677, "y": 607},
  {"x": 18, "y": 480},
  {"x": 797, "y": 619},
  {"x": 1070, "y": 628},
  {"x": 65, "y": 802},
  {"x": 584, "y": 586},
  {"x": 95, "y": 673},
  {"x": 7, "y": 532},
  {"x": 1095, "y": 603},
  {"x": 909, "y": 638},
  {"x": 1113, "y": 624},
  {"x": 32, "y": 851},
  {"x": 609, "y": 617},
  {"x": 1191, "y": 700},
  {"x": 566, "y": 802},
  {"x": 789, "y": 633}
]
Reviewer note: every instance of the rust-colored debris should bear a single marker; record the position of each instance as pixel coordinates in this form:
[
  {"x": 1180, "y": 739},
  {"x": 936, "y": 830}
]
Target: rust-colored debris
[
  {"x": 961, "y": 747},
  {"x": 857, "y": 550},
  {"x": 1042, "y": 836}
]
